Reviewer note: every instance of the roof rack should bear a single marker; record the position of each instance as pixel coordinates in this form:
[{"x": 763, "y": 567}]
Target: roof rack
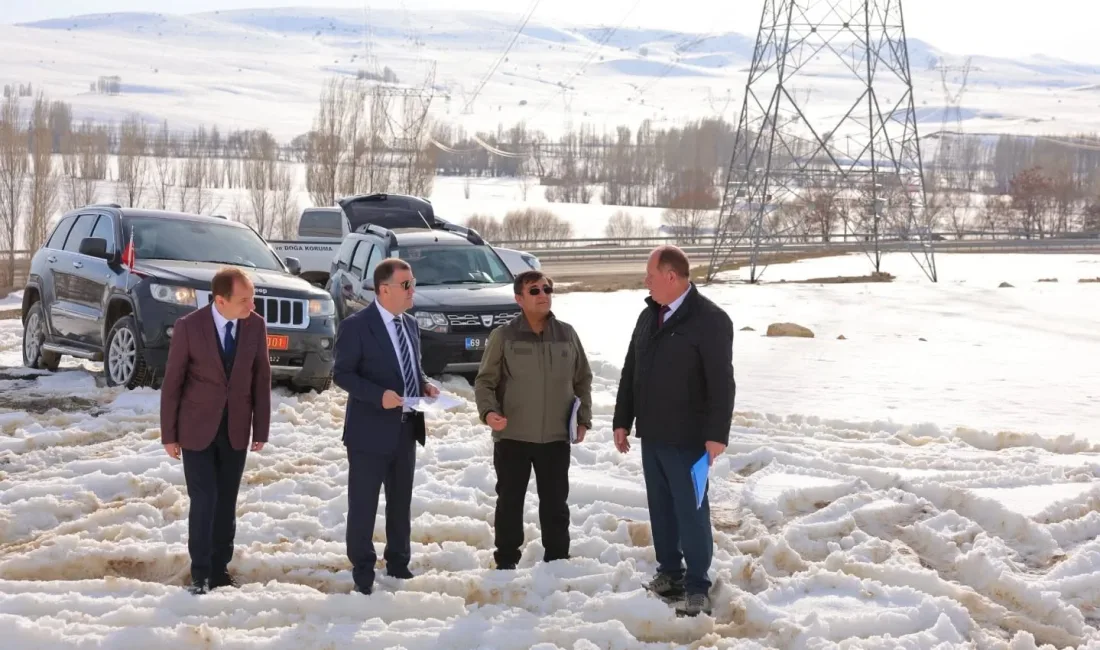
[
  {"x": 105, "y": 205},
  {"x": 379, "y": 231},
  {"x": 470, "y": 234}
]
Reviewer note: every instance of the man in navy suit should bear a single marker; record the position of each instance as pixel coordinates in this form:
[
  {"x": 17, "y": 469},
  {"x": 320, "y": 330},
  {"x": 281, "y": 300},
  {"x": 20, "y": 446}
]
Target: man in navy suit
[{"x": 378, "y": 364}]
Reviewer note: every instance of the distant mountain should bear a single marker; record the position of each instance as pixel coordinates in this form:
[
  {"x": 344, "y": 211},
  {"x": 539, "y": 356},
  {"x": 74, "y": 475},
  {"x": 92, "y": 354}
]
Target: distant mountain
[{"x": 265, "y": 68}]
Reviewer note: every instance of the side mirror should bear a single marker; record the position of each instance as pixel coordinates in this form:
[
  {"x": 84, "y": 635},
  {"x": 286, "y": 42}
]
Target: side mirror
[
  {"x": 294, "y": 265},
  {"x": 94, "y": 247},
  {"x": 368, "y": 285}
]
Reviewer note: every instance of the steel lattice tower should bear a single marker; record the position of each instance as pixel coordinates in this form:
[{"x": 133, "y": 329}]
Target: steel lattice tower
[{"x": 850, "y": 158}]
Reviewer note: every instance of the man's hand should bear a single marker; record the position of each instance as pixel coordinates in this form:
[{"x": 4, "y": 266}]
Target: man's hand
[
  {"x": 622, "y": 440},
  {"x": 581, "y": 430},
  {"x": 257, "y": 446},
  {"x": 391, "y": 400},
  {"x": 496, "y": 422},
  {"x": 430, "y": 390},
  {"x": 173, "y": 450},
  {"x": 714, "y": 449}
]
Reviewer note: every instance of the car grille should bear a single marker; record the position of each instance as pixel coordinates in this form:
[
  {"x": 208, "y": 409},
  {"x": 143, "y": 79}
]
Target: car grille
[
  {"x": 287, "y": 313},
  {"x": 467, "y": 322}
]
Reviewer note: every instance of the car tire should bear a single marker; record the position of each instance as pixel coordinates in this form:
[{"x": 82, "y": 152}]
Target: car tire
[
  {"x": 34, "y": 336},
  {"x": 124, "y": 356}
]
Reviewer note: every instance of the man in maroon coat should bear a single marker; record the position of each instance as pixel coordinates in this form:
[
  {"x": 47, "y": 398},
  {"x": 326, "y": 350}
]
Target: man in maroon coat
[{"x": 216, "y": 392}]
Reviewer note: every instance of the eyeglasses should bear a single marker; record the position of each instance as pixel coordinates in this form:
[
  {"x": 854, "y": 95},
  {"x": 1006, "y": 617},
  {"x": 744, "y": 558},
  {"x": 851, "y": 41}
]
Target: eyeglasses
[
  {"x": 547, "y": 289},
  {"x": 406, "y": 285}
]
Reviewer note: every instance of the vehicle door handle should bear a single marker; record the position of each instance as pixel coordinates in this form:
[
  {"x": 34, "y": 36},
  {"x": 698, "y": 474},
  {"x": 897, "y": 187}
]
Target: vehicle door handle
[
  {"x": 78, "y": 265},
  {"x": 51, "y": 258}
]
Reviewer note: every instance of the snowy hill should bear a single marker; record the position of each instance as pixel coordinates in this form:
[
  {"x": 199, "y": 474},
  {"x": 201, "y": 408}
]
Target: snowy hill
[{"x": 265, "y": 68}]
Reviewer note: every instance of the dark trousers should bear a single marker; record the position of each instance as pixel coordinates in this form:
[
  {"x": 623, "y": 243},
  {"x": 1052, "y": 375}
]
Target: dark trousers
[
  {"x": 513, "y": 461},
  {"x": 367, "y": 474},
  {"x": 681, "y": 533},
  {"x": 213, "y": 478}
]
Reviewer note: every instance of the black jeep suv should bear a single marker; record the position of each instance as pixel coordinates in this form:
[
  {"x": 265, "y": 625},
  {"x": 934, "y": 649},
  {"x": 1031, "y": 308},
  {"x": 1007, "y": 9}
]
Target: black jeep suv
[
  {"x": 110, "y": 283},
  {"x": 463, "y": 288}
]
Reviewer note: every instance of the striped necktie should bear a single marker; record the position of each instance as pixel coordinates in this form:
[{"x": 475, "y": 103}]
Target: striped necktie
[{"x": 407, "y": 366}]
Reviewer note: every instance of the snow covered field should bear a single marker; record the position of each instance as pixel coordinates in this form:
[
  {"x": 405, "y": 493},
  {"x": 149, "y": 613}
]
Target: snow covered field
[
  {"x": 850, "y": 510},
  {"x": 265, "y": 68}
]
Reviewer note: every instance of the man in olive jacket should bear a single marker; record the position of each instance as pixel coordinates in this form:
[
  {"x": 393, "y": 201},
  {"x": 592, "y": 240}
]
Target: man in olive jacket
[{"x": 530, "y": 373}]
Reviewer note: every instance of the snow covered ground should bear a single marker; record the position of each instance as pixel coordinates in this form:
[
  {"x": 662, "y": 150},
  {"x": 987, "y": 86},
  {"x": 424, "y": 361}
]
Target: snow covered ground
[{"x": 850, "y": 511}]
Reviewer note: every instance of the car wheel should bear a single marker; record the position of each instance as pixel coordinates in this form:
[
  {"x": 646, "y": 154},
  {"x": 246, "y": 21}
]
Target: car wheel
[
  {"x": 34, "y": 336},
  {"x": 124, "y": 359}
]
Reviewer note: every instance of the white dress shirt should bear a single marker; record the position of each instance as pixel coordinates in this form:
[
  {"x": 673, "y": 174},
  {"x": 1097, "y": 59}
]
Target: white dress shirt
[
  {"x": 219, "y": 326},
  {"x": 390, "y": 322},
  {"x": 675, "y": 304}
]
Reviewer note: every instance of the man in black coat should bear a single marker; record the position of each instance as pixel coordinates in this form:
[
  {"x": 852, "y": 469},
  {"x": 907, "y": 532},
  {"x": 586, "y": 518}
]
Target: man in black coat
[{"x": 677, "y": 387}]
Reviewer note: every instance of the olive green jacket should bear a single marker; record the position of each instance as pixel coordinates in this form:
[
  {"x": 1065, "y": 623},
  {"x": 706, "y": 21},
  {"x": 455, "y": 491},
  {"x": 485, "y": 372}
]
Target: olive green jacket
[{"x": 531, "y": 380}]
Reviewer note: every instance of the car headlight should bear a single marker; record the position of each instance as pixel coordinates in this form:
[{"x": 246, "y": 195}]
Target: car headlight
[
  {"x": 432, "y": 321},
  {"x": 174, "y": 295},
  {"x": 531, "y": 261},
  {"x": 321, "y": 307}
]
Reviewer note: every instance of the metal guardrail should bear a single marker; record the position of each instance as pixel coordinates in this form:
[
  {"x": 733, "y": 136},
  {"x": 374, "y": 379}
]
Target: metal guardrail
[
  {"x": 609, "y": 250},
  {"x": 703, "y": 251}
]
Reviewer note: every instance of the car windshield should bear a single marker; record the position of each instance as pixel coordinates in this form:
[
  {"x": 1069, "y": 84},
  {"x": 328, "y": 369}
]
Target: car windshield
[
  {"x": 435, "y": 265},
  {"x": 197, "y": 241}
]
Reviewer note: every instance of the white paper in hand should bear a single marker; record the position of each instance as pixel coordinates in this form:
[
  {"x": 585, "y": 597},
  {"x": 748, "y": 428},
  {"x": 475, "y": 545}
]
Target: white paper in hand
[
  {"x": 443, "y": 402},
  {"x": 573, "y": 419}
]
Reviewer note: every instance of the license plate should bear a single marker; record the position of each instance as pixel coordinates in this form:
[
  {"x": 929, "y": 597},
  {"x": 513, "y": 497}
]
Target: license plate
[
  {"x": 277, "y": 342},
  {"x": 474, "y": 343}
]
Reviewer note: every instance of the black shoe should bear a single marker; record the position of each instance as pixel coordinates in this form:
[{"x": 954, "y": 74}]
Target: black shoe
[
  {"x": 224, "y": 580},
  {"x": 366, "y": 591},
  {"x": 695, "y": 605},
  {"x": 198, "y": 587},
  {"x": 666, "y": 587},
  {"x": 507, "y": 566},
  {"x": 401, "y": 573}
]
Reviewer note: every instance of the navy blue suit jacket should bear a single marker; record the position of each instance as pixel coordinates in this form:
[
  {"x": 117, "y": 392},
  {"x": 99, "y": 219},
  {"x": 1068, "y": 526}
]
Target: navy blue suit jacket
[{"x": 366, "y": 366}]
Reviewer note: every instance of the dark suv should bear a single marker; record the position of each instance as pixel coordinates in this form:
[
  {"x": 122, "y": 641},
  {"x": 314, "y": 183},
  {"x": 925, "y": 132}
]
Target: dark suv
[
  {"x": 463, "y": 289},
  {"x": 110, "y": 283}
]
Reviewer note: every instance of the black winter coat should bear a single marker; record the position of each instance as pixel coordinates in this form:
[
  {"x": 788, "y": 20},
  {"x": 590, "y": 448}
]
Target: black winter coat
[{"x": 677, "y": 381}]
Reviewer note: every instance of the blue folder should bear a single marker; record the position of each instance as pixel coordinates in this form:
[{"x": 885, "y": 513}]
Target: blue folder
[{"x": 699, "y": 472}]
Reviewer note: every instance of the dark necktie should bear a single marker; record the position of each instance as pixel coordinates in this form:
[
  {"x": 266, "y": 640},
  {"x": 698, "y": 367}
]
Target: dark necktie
[
  {"x": 227, "y": 341},
  {"x": 662, "y": 314},
  {"x": 407, "y": 366}
]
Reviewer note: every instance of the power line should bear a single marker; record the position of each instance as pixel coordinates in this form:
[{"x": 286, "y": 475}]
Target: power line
[
  {"x": 503, "y": 55},
  {"x": 584, "y": 65}
]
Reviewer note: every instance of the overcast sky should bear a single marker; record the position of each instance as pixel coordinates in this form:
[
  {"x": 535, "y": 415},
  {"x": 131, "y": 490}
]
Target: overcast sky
[{"x": 1057, "y": 28}]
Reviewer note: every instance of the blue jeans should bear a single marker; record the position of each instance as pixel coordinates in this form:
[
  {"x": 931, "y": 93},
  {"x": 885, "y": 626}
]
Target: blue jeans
[{"x": 681, "y": 533}]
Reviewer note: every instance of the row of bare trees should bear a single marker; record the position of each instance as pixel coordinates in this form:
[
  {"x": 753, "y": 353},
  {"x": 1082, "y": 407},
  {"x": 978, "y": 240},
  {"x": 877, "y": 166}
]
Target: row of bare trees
[{"x": 369, "y": 138}]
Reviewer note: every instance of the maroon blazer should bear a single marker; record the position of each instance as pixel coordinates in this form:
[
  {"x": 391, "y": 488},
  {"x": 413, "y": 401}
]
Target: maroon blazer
[{"x": 195, "y": 389}]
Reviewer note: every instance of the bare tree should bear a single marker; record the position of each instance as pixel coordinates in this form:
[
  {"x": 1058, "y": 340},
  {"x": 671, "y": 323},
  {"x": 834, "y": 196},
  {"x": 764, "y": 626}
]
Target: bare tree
[
  {"x": 1031, "y": 192},
  {"x": 624, "y": 227},
  {"x": 13, "y": 172},
  {"x": 79, "y": 166},
  {"x": 164, "y": 167},
  {"x": 259, "y": 178},
  {"x": 133, "y": 165},
  {"x": 357, "y": 125},
  {"x": 326, "y": 143},
  {"x": 486, "y": 226},
  {"x": 692, "y": 213},
  {"x": 534, "y": 225},
  {"x": 284, "y": 204},
  {"x": 44, "y": 178},
  {"x": 376, "y": 163}
]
